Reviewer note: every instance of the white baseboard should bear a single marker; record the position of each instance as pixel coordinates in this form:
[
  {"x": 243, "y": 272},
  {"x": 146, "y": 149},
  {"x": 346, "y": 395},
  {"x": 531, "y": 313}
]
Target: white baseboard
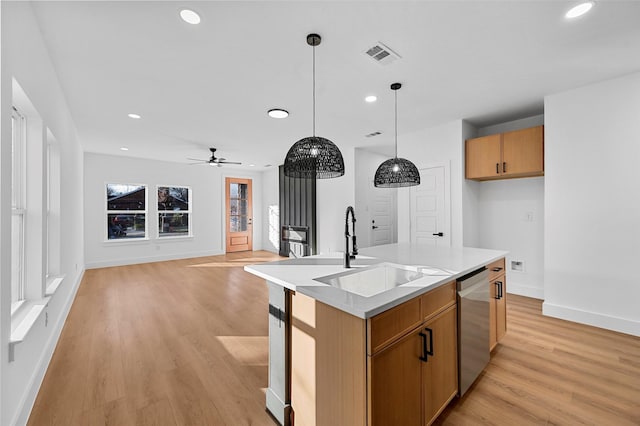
[
  {"x": 525, "y": 290},
  {"x": 29, "y": 398},
  {"x": 595, "y": 319},
  {"x": 149, "y": 259}
]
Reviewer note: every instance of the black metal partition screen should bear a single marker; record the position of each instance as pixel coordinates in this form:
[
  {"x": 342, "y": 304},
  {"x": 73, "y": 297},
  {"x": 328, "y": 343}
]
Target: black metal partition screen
[{"x": 297, "y": 209}]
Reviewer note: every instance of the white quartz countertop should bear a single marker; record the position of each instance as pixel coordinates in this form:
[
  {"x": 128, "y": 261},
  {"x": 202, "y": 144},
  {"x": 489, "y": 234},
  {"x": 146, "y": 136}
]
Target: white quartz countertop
[{"x": 439, "y": 265}]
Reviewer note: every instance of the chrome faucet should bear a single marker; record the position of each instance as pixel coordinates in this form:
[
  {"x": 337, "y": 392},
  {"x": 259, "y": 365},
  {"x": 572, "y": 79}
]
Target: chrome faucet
[{"x": 348, "y": 256}]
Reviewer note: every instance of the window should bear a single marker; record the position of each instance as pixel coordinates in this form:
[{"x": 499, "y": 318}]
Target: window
[
  {"x": 18, "y": 145},
  {"x": 126, "y": 211},
  {"x": 52, "y": 245},
  {"x": 174, "y": 211}
]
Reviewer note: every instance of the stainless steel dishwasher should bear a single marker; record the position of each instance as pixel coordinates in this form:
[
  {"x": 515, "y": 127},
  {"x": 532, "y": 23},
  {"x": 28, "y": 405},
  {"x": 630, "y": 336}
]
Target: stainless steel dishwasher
[{"x": 473, "y": 327}]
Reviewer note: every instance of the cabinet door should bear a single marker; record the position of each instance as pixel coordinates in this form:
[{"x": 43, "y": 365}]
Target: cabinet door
[
  {"x": 523, "y": 152},
  {"x": 395, "y": 383},
  {"x": 501, "y": 309},
  {"x": 440, "y": 371},
  {"x": 482, "y": 157},
  {"x": 493, "y": 293}
]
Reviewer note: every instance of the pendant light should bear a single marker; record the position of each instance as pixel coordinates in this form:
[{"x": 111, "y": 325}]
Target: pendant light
[
  {"x": 314, "y": 156},
  {"x": 396, "y": 172}
]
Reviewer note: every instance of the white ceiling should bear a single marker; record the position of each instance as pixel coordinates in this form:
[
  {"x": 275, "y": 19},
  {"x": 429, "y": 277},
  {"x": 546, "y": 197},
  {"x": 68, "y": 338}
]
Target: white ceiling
[{"x": 212, "y": 84}]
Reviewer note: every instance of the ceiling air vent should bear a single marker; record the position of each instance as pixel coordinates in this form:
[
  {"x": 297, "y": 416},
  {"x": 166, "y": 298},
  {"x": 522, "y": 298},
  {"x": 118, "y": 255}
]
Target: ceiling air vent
[
  {"x": 370, "y": 135},
  {"x": 382, "y": 54}
]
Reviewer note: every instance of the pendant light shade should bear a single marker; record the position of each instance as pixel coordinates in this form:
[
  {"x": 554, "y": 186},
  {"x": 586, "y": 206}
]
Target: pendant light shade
[
  {"x": 396, "y": 172},
  {"x": 314, "y": 156}
]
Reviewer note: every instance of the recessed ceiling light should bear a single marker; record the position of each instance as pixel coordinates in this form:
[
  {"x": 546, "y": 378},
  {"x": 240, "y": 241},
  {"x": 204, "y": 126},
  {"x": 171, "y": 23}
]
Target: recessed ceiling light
[
  {"x": 579, "y": 10},
  {"x": 136, "y": 116},
  {"x": 189, "y": 16},
  {"x": 124, "y": 148},
  {"x": 278, "y": 113},
  {"x": 371, "y": 98},
  {"x": 252, "y": 165}
]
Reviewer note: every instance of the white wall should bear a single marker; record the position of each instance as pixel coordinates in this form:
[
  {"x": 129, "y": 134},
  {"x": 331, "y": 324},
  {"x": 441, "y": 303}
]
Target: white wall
[
  {"x": 592, "y": 205},
  {"x": 366, "y": 164},
  {"x": 207, "y": 217},
  {"x": 332, "y": 198},
  {"x": 24, "y": 57},
  {"x": 271, "y": 210},
  {"x": 434, "y": 146},
  {"x": 470, "y": 195},
  {"x": 511, "y": 214}
]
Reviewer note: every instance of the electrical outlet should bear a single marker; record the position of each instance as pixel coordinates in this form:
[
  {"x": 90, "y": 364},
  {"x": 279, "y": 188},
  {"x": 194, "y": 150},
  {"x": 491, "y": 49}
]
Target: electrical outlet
[
  {"x": 529, "y": 216},
  {"x": 517, "y": 265}
]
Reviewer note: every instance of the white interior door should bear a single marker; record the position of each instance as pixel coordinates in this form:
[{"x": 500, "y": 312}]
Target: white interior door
[
  {"x": 383, "y": 212},
  {"x": 430, "y": 222}
]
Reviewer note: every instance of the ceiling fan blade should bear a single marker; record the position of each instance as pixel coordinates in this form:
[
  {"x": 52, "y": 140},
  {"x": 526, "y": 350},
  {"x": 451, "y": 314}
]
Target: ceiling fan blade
[
  {"x": 197, "y": 159},
  {"x": 230, "y": 162}
]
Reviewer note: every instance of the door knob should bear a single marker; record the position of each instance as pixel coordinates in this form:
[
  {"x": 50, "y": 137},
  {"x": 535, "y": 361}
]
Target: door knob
[
  {"x": 438, "y": 234},
  {"x": 374, "y": 227}
]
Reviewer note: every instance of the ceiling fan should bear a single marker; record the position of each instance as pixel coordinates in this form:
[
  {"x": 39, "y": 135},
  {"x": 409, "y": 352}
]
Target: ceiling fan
[{"x": 213, "y": 161}]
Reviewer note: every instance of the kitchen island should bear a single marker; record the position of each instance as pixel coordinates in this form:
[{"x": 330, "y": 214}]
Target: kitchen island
[{"x": 342, "y": 352}]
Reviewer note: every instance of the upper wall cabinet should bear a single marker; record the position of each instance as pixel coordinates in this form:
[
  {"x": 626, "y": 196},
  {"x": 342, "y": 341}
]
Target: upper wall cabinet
[{"x": 506, "y": 155}]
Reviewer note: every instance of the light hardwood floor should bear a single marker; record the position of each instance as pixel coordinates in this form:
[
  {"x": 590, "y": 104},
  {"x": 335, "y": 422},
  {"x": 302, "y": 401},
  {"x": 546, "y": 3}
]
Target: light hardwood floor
[{"x": 185, "y": 343}]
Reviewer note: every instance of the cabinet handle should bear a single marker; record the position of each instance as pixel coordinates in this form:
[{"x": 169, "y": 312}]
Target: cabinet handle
[
  {"x": 499, "y": 290},
  {"x": 423, "y": 357},
  {"x": 496, "y": 269},
  {"x": 497, "y": 296},
  {"x": 497, "y": 168},
  {"x": 504, "y": 167},
  {"x": 430, "y": 351}
]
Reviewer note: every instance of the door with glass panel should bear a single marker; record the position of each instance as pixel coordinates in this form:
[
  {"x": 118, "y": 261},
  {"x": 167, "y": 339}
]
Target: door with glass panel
[{"x": 239, "y": 215}]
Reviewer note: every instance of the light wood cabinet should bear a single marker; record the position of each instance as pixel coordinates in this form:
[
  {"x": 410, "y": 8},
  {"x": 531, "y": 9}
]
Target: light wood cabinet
[
  {"x": 414, "y": 379},
  {"x": 440, "y": 372},
  {"x": 497, "y": 302},
  {"x": 519, "y": 153},
  {"x": 395, "y": 389}
]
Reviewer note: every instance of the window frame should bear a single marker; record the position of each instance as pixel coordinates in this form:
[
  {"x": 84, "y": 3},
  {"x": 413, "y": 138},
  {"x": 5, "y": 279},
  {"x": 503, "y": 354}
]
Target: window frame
[
  {"x": 144, "y": 212},
  {"x": 18, "y": 208},
  {"x": 188, "y": 212}
]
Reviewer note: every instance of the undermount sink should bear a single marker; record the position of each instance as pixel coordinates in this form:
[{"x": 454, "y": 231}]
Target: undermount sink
[{"x": 371, "y": 280}]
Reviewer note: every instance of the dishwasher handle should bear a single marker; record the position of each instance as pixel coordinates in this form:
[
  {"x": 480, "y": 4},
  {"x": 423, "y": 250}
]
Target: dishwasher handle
[{"x": 472, "y": 279}]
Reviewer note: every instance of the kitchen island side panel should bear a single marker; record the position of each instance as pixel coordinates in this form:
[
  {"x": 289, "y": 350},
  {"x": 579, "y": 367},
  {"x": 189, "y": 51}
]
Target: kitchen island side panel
[{"x": 328, "y": 365}]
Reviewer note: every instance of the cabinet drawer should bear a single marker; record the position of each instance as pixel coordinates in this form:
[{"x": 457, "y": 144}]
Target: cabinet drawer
[
  {"x": 437, "y": 299},
  {"x": 388, "y": 326},
  {"x": 496, "y": 269}
]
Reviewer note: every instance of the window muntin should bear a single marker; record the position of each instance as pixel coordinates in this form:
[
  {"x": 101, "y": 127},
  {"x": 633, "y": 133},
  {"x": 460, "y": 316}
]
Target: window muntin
[
  {"x": 126, "y": 211},
  {"x": 18, "y": 146},
  {"x": 174, "y": 211}
]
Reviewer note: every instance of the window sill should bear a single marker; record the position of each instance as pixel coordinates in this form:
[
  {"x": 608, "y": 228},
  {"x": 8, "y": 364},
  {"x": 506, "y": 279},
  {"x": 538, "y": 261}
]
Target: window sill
[
  {"x": 23, "y": 321},
  {"x": 15, "y": 307},
  {"x": 125, "y": 241},
  {"x": 174, "y": 237},
  {"x": 53, "y": 284}
]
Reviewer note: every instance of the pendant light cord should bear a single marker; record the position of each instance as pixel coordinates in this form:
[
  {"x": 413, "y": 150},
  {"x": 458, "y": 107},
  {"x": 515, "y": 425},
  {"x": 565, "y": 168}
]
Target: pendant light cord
[
  {"x": 395, "y": 92},
  {"x": 314, "y": 90}
]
